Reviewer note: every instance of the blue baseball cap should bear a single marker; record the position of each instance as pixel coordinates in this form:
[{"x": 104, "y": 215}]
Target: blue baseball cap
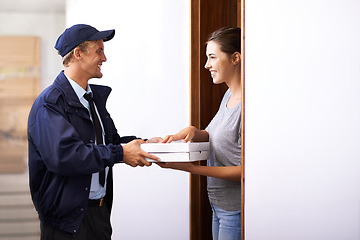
[{"x": 79, "y": 33}]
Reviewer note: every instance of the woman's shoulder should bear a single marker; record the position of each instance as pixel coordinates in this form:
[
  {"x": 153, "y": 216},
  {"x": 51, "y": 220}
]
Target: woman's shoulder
[{"x": 226, "y": 96}]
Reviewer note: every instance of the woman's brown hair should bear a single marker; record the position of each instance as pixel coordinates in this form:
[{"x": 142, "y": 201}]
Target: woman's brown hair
[{"x": 228, "y": 38}]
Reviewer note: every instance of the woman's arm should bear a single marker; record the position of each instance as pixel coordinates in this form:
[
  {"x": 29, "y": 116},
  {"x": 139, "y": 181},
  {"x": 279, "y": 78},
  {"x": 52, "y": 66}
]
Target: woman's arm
[
  {"x": 189, "y": 134},
  {"x": 230, "y": 173}
]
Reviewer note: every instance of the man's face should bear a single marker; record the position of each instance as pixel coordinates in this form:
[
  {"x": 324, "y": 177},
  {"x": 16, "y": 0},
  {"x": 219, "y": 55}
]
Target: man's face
[{"x": 93, "y": 58}]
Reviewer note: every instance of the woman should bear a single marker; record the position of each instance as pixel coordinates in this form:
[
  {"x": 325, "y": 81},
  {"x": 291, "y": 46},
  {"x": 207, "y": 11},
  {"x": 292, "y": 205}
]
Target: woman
[{"x": 223, "y": 169}]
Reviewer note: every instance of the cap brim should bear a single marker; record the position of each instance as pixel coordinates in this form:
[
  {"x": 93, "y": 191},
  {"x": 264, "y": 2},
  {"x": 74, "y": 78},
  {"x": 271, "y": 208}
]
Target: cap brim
[{"x": 104, "y": 35}]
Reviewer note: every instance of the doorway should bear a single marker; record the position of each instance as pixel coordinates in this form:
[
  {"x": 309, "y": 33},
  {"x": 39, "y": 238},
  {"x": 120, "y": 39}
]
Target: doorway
[{"x": 205, "y": 97}]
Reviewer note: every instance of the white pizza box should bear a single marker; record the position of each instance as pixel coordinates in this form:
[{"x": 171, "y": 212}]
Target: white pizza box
[
  {"x": 181, "y": 156},
  {"x": 175, "y": 147},
  {"x": 178, "y": 151}
]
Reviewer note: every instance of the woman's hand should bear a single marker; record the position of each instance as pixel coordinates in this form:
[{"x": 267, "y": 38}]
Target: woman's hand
[
  {"x": 188, "y": 134},
  {"x": 183, "y": 166},
  {"x": 154, "y": 140}
]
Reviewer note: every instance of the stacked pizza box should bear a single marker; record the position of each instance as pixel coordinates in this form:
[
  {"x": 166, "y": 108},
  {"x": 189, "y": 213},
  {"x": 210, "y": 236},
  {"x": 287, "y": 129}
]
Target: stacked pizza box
[{"x": 178, "y": 151}]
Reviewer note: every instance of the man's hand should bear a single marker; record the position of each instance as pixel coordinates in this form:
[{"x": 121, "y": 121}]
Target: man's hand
[{"x": 135, "y": 156}]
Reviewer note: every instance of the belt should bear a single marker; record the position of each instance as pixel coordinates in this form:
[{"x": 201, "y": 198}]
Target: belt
[{"x": 96, "y": 202}]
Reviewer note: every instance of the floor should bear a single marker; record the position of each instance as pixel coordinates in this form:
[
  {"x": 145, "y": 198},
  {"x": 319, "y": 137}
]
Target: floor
[{"x": 18, "y": 218}]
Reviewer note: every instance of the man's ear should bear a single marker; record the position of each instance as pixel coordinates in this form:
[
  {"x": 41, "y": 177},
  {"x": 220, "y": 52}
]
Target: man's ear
[
  {"x": 236, "y": 58},
  {"x": 77, "y": 53}
]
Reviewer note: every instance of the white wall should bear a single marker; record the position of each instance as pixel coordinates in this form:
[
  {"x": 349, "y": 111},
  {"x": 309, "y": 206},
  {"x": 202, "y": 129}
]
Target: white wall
[
  {"x": 302, "y": 120},
  {"x": 148, "y": 70}
]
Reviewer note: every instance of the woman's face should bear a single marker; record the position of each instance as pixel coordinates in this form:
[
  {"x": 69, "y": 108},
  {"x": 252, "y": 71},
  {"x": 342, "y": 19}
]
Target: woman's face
[{"x": 218, "y": 63}]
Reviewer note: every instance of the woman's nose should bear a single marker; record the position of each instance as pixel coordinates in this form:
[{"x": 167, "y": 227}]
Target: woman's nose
[{"x": 207, "y": 65}]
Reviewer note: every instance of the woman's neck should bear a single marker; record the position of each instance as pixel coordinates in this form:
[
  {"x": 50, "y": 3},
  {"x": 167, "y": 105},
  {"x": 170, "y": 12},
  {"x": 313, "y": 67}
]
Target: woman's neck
[{"x": 236, "y": 91}]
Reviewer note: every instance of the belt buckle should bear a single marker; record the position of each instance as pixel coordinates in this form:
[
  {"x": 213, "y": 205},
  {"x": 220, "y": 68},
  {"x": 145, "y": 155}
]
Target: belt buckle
[{"x": 101, "y": 202}]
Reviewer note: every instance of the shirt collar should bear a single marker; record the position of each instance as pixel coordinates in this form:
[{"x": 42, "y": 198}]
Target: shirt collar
[{"x": 78, "y": 89}]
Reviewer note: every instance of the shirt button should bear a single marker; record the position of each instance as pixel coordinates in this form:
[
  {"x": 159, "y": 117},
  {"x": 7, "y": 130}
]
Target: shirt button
[
  {"x": 74, "y": 230},
  {"x": 81, "y": 209},
  {"x": 86, "y": 189},
  {"x": 91, "y": 141}
]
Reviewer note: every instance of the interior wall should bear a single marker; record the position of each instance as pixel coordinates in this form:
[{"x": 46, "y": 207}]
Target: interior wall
[
  {"x": 302, "y": 84},
  {"x": 148, "y": 69}
]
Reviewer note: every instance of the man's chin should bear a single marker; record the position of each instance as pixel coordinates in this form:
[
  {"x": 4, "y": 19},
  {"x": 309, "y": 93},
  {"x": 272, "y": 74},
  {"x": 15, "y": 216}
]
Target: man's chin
[{"x": 98, "y": 75}]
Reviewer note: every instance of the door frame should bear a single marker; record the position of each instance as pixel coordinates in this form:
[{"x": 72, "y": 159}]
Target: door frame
[{"x": 205, "y": 97}]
